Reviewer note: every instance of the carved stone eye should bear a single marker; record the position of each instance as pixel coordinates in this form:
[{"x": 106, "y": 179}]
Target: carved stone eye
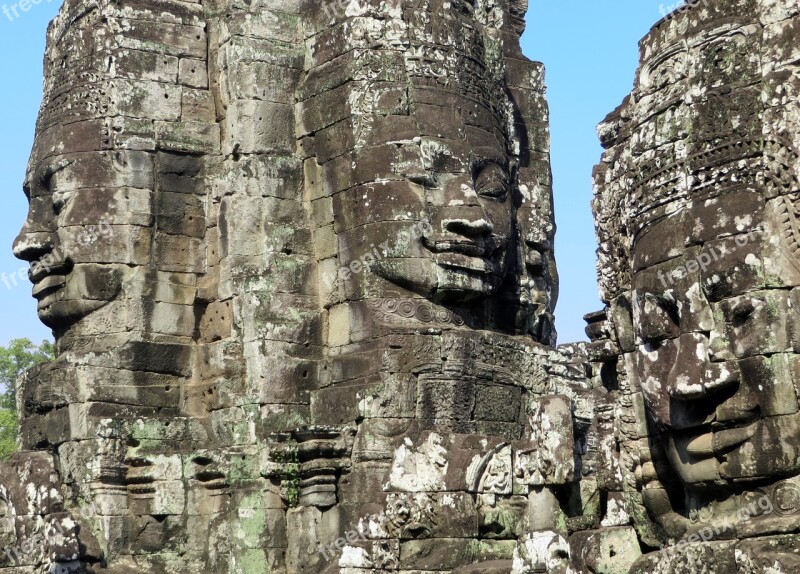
[
  {"x": 463, "y": 6},
  {"x": 492, "y": 181},
  {"x": 45, "y": 181},
  {"x": 657, "y": 321},
  {"x": 742, "y": 311},
  {"x": 60, "y": 201},
  {"x": 48, "y": 184}
]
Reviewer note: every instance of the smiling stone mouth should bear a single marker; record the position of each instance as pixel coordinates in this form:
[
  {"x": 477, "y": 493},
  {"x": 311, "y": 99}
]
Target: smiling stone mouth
[
  {"x": 49, "y": 279},
  {"x": 38, "y": 271},
  {"x": 468, "y": 248},
  {"x": 462, "y": 262},
  {"x": 719, "y": 441},
  {"x": 464, "y": 255},
  {"x": 48, "y": 286}
]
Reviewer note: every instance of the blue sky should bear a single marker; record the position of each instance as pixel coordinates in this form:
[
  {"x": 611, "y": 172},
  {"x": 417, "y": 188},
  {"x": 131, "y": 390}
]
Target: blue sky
[{"x": 589, "y": 48}]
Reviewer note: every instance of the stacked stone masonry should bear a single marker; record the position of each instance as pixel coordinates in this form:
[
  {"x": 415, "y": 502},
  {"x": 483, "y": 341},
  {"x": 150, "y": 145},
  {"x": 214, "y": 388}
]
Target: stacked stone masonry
[{"x": 298, "y": 260}]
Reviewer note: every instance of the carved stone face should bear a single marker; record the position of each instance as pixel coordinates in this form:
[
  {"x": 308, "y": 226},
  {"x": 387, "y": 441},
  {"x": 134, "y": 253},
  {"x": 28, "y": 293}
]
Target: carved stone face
[
  {"x": 428, "y": 188},
  {"x": 78, "y": 188},
  {"x": 715, "y": 353},
  {"x": 450, "y": 237},
  {"x": 228, "y": 156},
  {"x": 114, "y": 147},
  {"x": 70, "y": 237},
  {"x": 714, "y": 275}
]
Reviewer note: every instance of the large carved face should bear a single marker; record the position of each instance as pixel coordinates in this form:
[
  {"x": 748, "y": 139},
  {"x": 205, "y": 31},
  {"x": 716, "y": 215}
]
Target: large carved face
[
  {"x": 714, "y": 266},
  {"x": 448, "y": 217},
  {"x": 78, "y": 188},
  {"x": 112, "y": 152},
  {"x": 70, "y": 237},
  {"x": 715, "y": 350},
  {"x": 428, "y": 195},
  {"x": 696, "y": 207}
]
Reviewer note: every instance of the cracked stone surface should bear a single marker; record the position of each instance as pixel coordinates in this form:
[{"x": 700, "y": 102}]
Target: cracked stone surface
[
  {"x": 298, "y": 260},
  {"x": 696, "y": 204}
]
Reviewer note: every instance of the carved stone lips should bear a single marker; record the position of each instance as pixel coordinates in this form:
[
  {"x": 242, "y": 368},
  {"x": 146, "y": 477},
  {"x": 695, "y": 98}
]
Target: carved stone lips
[
  {"x": 48, "y": 279},
  {"x": 212, "y": 480},
  {"x": 720, "y": 441},
  {"x": 461, "y": 254},
  {"x": 48, "y": 286},
  {"x": 468, "y": 248},
  {"x": 458, "y": 261},
  {"x": 39, "y": 271}
]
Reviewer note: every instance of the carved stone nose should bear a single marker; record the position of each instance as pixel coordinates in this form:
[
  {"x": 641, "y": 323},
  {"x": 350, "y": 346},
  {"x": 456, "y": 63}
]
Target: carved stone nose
[
  {"x": 32, "y": 246},
  {"x": 693, "y": 377},
  {"x": 718, "y": 348}
]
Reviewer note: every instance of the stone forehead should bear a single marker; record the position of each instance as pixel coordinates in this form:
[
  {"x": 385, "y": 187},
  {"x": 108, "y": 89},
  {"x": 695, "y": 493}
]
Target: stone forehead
[{"x": 707, "y": 119}]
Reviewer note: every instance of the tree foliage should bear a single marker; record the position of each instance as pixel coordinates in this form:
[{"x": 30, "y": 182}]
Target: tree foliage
[
  {"x": 9, "y": 427},
  {"x": 19, "y": 356}
]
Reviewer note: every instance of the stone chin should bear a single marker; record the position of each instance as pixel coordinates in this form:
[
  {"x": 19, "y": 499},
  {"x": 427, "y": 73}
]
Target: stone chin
[
  {"x": 63, "y": 314},
  {"x": 85, "y": 290}
]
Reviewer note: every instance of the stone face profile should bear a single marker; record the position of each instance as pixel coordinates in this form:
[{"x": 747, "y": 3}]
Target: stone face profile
[{"x": 298, "y": 260}]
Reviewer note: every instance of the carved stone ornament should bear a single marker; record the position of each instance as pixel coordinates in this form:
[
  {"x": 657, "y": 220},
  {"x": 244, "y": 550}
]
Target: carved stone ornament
[{"x": 297, "y": 257}]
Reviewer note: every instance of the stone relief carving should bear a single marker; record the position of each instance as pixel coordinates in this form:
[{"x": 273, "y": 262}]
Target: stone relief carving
[
  {"x": 695, "y": 196},
  {"x": 298, "y": 260}
]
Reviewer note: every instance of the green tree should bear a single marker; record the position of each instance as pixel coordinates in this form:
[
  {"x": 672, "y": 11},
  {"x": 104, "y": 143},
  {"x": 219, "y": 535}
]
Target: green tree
[
  {"x": 19, "y": 356},
  {"x": 9, "y": 427}
]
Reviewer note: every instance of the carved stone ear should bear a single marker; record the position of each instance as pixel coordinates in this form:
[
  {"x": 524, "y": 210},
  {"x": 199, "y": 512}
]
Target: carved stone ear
[
  {"x": 517, "y": 9},
  {"x": 609, "y": 130}
]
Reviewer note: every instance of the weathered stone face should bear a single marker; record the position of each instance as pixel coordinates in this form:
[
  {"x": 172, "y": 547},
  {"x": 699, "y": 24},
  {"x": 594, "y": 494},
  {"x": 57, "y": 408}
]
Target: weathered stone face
[
  {"x": 430, "y": 195},
  {"x": 232, "y": 393},
  {"x": 718, "y": 375},
  {"x": 71, "y": 182},
  {"x": 695, "y": 202},
  {"x": 429, "y": 163},
  {"x": 456, "y": 244},
  {"x": 113, "y": 193},
  {"x": 67, "y": 286}
]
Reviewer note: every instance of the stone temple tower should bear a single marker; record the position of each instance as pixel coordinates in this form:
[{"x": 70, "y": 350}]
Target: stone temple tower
[{"x": 298, "y": 260}]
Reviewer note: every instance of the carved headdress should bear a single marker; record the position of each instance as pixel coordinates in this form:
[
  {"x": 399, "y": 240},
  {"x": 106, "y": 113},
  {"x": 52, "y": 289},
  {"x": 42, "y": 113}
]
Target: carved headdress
[{"x": 698, "y": 126}]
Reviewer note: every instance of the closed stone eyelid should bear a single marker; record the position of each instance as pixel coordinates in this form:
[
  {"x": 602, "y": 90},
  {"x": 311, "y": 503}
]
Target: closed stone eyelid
[
  {"x": 60, "y": 200},
  {"x": 479, "y": 164},
  {"x": 743, "y": 310},
  {"x": 664, "y": 304},
  {"x": 426, "y": 180},
  {"x": 46, "y": 173},
  {"x": 501, "y": 178},
  {"x": 488, "y": 179}
]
